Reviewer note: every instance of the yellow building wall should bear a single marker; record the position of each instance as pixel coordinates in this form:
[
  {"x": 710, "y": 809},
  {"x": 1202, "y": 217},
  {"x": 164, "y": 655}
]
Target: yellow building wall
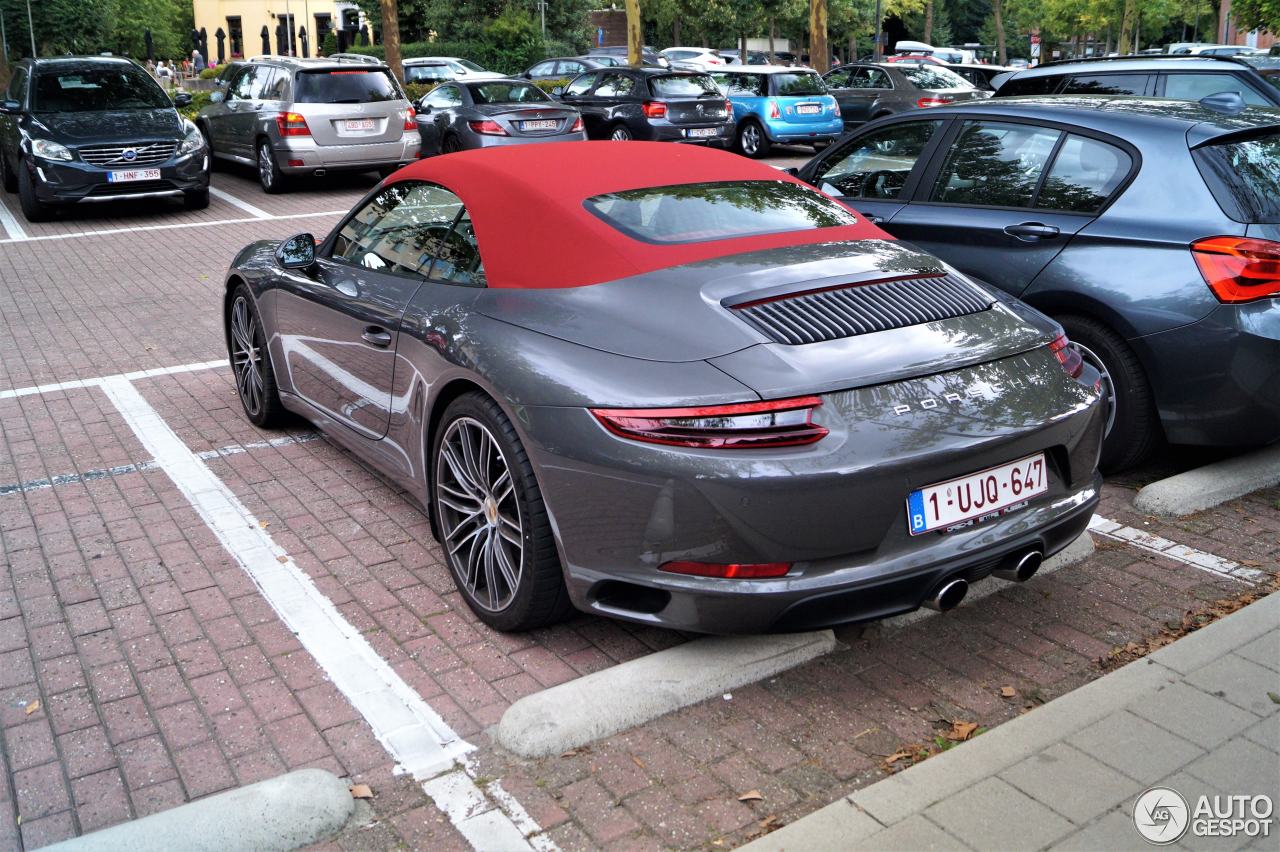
[{"x": 254, "y": 15}]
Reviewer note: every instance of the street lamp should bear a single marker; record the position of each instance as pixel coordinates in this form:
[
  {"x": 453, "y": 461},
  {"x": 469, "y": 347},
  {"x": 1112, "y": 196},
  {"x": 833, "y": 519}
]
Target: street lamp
[{"x": 31, "y": 29}]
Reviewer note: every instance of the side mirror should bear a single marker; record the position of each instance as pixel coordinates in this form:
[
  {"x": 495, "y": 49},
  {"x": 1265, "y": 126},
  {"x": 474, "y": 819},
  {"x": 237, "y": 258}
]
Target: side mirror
[
  {"x": 182, "y": 99},
  {"x": 424, "y": 108},
  {"x": 10, "y": 106},
  {"x": 217, "y": 97},
  {"x": 791, "y": 170},
  {"x": 557, "y": 91},
  {"x": 297, "y": 252}
]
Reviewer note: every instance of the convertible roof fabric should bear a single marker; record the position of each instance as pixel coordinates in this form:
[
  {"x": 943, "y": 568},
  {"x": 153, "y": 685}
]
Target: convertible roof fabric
[{"x": 526, "y": 205}]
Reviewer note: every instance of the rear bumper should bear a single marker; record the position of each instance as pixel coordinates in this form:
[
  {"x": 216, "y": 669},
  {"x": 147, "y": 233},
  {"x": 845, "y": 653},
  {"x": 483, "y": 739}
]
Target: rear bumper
[
  {"x": 806, "y": 131},
  {"x": 486, "y": 141},
  {"x": 61, "y": 182},
  {"x": 662, "y": 131},
  {"x": 363, "y": 157}
]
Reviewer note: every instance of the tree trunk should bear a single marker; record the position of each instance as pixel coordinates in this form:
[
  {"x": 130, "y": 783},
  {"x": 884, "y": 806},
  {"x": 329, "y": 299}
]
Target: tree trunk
[
  {"x": 635, "y": 37},
  {"x": 853, "y": 47},
  {"x": 773, "y": 33},
  {"x": 391, "y": 37},
  {"x": 928, "y": 22},
  {"x": 1126, "y": 24},
  {"x": 1002, "y": 53},
  {"x": 675, "y": 33},
  {"x": 819, "y": 53}
]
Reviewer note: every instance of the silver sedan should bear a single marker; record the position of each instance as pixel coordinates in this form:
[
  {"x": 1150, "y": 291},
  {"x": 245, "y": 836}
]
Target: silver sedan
[{"x": 492, "y": 113}]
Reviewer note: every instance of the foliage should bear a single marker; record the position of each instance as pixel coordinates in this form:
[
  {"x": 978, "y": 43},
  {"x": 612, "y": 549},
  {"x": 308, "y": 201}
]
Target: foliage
[
  {"x": 505, "y": 59},
  {"x": 468, "y": 20},
  {"x": 95, "y": 26},
  {"x": 417, "y": 91},
  {"x": 1257, "y": 14},
  {"x": 209, "y": 73},
  {"x": 199, "y": 100}
]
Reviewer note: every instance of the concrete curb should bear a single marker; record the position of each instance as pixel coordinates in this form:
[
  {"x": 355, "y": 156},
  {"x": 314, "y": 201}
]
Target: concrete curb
[
  {"x": 284, "y": 813},
  {"x": 632, "y": 693},
  {"x": 1211, "y": 485}
]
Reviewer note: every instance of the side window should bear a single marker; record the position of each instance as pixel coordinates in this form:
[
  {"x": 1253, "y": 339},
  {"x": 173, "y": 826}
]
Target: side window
[
  {"x": 18, "y": 87},
  {"x": 569, "y": 68},
  {"x": 242, "y": 87},
  {"x": 877, "y": 165},
  {"x": 445, "y": 97},
  {"x": 1083, "y": 176},
  {"x": 1045, "y": 84},
  {"x": 838, "y": 79},
  {"x": 877, "y": 79},
  {"x": 278, "y": 88},
  {"x": 615, "y": 86},
  {"x": 1107, "y": 84},
  {"x": 861, "y": 79},
  {"x": 457, "y": 256},
  {"x": 993, "y": 164},
  {"x": 402, "y": 230},
  {"x": 1193, "y": 87},
  {"x": 580, "y": 86},
  {"x": 262, "y": 83},
  {"x": 542, "y": 69}
]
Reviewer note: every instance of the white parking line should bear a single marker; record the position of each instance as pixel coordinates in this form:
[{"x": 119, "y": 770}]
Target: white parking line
[
  {"x": 10, "y": 224},
  {"x": 1178, "y": 552},
  {"x": 74, "y": 384},
  {"x": 243, "y": 205},
  {"x": 169, "y": 227}
]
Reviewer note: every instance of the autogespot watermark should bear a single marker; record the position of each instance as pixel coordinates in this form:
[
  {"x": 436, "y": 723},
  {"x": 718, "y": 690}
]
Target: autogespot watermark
[{"x": 1163, "y": 816}]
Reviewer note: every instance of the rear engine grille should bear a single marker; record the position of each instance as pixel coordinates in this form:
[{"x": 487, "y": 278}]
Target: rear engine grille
[
  {"x": 864, "y": 308},
  {"x": 131, "y": 187},
  {"x": 146, "y": 154}
]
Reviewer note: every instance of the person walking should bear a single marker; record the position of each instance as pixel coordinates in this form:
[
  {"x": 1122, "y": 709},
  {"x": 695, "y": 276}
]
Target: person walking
[{"x": 197, "y": 62}]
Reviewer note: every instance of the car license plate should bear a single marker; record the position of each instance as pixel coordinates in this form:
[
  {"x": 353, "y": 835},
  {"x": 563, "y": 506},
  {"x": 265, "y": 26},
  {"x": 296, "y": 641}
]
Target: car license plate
[
  {"x": 133, "y": 174},
  {"x": 808, "y": 109},
  {"x": 539, "y": 124},
  {"x": 990, "y": 492},
  {"x": 357, "y": 124},
  {"x": 702, "y": 132}
]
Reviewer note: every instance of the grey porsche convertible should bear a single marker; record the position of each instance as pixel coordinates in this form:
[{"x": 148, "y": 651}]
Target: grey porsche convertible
[{"x": 672, "y": 385}]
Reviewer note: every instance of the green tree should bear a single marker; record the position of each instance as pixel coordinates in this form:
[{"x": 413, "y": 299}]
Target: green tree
[{"x": 1257, "y": 14}]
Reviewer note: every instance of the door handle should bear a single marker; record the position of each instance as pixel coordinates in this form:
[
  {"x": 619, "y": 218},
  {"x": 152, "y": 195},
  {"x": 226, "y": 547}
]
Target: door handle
[
  {"x": 873, "y": 218},
  {"x": 1030, "y": 231},
  {"x": 376, "y": 336}
]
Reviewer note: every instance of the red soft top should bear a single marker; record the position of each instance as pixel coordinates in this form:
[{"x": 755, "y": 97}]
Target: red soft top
[{"x": 526, "y": 204}]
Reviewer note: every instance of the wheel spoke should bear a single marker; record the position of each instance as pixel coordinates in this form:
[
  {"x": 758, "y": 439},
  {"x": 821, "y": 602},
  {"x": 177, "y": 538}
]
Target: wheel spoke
[
  {"x": 458, "y": 469},
  {"x": 451, "y": 537},
  {"x": 490, "y": 581},
  {"x": 510, "y": 573}
]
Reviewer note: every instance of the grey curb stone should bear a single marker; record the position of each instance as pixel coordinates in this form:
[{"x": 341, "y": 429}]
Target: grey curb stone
[
  {"x": 276, "y": 815},
  {"x": 837, "y": 827},
  {"x": 637, "y": 691},
  {"x": 1210, "y": 485}
]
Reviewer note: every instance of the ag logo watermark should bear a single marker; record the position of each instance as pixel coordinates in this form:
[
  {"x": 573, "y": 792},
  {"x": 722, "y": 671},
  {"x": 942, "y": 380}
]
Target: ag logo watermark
[{"x": 1162, "y": 816}]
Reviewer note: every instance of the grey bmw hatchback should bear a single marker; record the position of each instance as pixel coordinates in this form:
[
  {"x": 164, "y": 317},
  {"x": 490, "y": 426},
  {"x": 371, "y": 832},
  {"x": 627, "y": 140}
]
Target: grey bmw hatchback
[{"x": 691, "y": 392}]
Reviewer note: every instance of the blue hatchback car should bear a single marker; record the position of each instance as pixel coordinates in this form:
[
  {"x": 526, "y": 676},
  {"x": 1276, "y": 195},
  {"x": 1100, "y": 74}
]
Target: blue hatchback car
[{"x": 773, "y": 104}]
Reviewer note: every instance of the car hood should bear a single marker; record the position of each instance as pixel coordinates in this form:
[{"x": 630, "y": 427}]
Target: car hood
[
  {"x": 690, "y": 313},
  {"x": 126, "y": 125}
]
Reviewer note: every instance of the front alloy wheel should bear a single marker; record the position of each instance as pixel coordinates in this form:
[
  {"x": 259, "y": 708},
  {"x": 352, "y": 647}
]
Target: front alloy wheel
[{"x": 255, "y": 379}]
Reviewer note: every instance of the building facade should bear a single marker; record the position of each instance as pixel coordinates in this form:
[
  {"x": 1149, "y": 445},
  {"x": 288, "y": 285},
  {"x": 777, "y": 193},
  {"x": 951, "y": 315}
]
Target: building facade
[
  {"x": 285, "y": 27},
  {"x": 1228, "y": 33}
]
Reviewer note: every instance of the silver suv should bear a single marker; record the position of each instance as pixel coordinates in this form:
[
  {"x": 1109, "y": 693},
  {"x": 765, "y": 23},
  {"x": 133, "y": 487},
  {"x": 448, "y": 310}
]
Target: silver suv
[{"x": 310, "y": 116}]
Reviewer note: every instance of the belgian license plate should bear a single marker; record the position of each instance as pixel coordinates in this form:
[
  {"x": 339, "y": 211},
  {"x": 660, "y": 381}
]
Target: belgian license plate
[
  {"x": 808, "y": 109},
  {"x": 133, "y": 174},
  {"x": 702, "y": 132},
  {"x": 987, "y": 493},
  {"x": 357, "y": 124},
  {"x": 539, "y": 124}
]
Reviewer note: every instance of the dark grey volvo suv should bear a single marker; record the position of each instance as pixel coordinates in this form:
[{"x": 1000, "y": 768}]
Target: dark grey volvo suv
[{"x": 96, "y": 128}]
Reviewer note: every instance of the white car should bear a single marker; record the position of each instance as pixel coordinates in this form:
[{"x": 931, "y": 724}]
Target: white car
[
  {"x": 693, "y": 58},
  {"x": 437, "y": 69}
]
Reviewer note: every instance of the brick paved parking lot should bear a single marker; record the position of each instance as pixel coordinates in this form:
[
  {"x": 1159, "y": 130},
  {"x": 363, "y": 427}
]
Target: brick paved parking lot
[{"x": 142, "y": 665}]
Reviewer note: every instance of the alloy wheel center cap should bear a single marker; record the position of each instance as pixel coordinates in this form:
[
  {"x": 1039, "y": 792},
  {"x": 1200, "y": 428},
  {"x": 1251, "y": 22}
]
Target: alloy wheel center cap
[{"x": 490, "y": 510}]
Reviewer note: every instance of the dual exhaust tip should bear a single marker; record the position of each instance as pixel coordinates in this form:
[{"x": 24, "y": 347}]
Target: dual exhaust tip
[{"x": 1017, "y": 568}]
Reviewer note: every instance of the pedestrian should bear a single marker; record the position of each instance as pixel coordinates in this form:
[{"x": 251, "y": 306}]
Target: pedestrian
[
  {"x": 197, "y": 62},
  {"x": 162, "y": 71}
]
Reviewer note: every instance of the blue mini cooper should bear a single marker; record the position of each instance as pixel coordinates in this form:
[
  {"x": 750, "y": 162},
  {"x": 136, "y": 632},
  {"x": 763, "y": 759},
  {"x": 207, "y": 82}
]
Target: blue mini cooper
[{"x": 774, "y": 104}]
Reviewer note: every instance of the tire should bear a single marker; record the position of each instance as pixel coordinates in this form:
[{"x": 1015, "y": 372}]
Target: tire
[
  {"x": 33, "y": 208},
  {"x": 196, "y": 199},
  {"x": 620, "y": 133},
  {"x": 1133, "y": 428},
  {"x": 269, "y": 174},
  {"x": 753, "y": 142},
  {"x": 481, "y": 534},
  {"x": 7, "y": 177},
  {"x": 254, "y": 375},
  {"x": 450, "y": 144},
  {"x": 208, "y": 144}
]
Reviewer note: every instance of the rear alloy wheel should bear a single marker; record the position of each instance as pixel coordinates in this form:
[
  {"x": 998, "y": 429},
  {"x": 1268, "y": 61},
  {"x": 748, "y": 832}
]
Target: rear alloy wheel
[
  {"x": 269, "y": 174},
  {"x": 33, "y": 208},
  {"x": 251, "y": 363},
  {"x": 752, "y": 140},
  {"x": 1133, "y": 427},
  {"x": 620, "y": 133},
  {"x": 491, "y": 519}
]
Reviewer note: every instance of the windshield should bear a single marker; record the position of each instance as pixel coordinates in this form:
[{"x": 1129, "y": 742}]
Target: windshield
[
  {"x": 931, "y": 77},
  {"x": 420, "y": 73},
  {"x": 798, "y": 85},
  {"x": 687, "y": 86},
  {"x": 469, "y": 65},
  {"x": 506, "y": 93},
  {"x": 347, "y": 86},
  {"x": 87, "y": 89},
  {"x": 1244, "y": 175},
  {"x": 702, "y": 212}
]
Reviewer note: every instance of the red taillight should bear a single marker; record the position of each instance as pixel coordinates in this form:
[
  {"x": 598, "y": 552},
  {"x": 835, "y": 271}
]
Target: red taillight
[
  {"x": 292, "y": 124},
  {"x": 1068, "y": 356},
  {"x": 654, "y": 109},
  {"x": 932, "y": 102},
  {"x": 732, "y": 571},
  {"x": 746, "y": 425},
  {"x": 1238, "y": 269},
  {"x": 409, "y": 115},
  {"x": 774, "y": 112},
  {"x": 488, "y": 127},
  {"x": 577, "y": 125}
]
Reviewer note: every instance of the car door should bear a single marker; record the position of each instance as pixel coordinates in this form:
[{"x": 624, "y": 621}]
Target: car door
[
  {"x": 542, "y": 71},
  {"x": 875, "y": 171},
  {"x": 241, "y": 118},
  {"x": 837, "y": 82},
  {"x": 437, "y": 112},
  {"x": 578, "y": 95},
  {"x": 977, "y": 206},
  {"x": 340, "y": 321}
]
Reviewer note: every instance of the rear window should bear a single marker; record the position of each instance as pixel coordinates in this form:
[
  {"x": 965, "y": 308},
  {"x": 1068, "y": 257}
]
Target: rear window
[
  {"x": 798, "y": 85},
  {"x": 1107, "y": 84},
  {"x": 1044, "y": 84},
  {"x": 686, "y": 86},
  {"x": 89, "y": 89},
  {"x": 425, "y": 73},
  {"x": 1244, "y": 176},
  {"x": 346, "y": 86},
  {"x": 702, "y": 212},
  {"x": 930, "y": 77},
  {"x": 506, "y": 93}
]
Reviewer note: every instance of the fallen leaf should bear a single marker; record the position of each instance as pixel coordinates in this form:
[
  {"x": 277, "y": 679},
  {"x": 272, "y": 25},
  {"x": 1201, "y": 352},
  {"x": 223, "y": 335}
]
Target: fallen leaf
[
  {"x": 896, "y": 756},
  {"x": 751, "y": 796},
  {"x": 637, "y": 761},
  {"x": 1008, "y": 691},
  {"x": 33, "y": 706},
  {"x": 361, "y": 791},
  {"x": 282, "y": 559},
  {"x": 961, "y": 731},
  {"x": 264, "y": 524},
  {"x": 574, "y": 752},
  {"x": 1275, "y": 699},
  {"x": 1251, "y": 563}
]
